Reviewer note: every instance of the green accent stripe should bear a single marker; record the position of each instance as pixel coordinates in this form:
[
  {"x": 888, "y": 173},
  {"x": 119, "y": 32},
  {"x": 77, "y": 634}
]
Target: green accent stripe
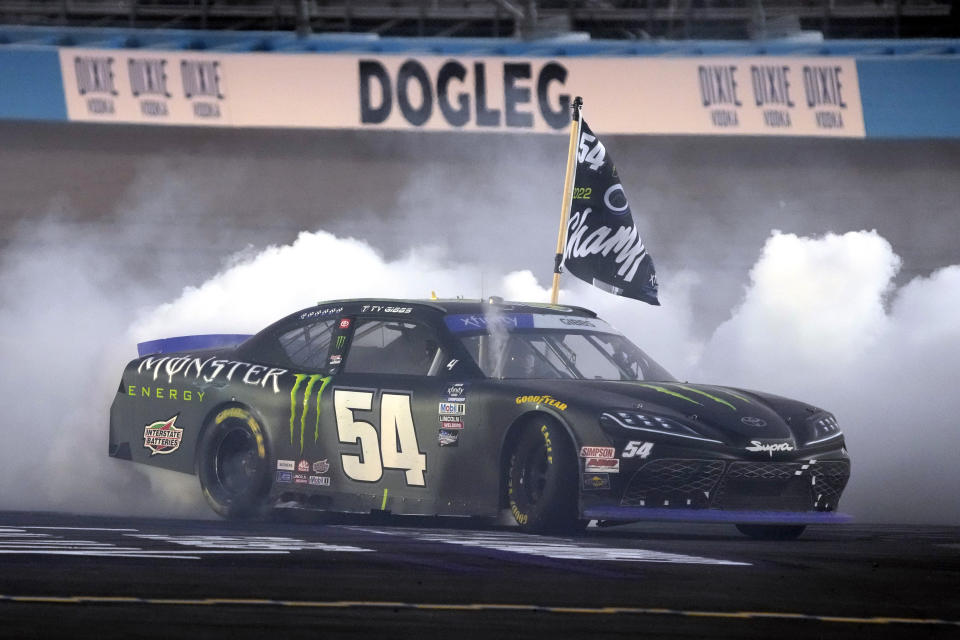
[
  {"x": 670, "y": 393},
  {"x": 306, "y": 405},
  {"x": 316, "y": 426},
  {"x": 704, "y": 393},
  {"x": 735, "y": 395},
  {"x": 466, "y": 606},
  {"x": 293, "y": 401},
  {"x": 383, "y": 505}
]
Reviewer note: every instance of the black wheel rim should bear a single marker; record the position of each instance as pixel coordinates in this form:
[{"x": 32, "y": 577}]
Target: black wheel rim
[
  {"x": 236, "y": 461},
  {"x": 533, "y": 475}
]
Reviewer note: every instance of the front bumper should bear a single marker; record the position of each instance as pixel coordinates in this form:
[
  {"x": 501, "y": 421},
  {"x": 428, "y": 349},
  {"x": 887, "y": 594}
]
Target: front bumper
[{"x": 727, "y": 490}]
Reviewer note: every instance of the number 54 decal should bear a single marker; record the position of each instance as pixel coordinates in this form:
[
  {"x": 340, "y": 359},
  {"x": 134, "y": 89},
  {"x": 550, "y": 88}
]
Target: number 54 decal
[
  {"x": 394, "y": 448},
  {"x": 637, "y": 449}
]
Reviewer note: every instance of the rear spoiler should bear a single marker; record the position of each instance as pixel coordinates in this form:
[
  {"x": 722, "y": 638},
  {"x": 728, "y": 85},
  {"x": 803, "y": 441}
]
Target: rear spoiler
[{"x": 190, "y": 343}]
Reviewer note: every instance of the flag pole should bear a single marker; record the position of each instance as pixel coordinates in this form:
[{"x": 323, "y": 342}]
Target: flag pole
[{"x": 567, "y": 196}]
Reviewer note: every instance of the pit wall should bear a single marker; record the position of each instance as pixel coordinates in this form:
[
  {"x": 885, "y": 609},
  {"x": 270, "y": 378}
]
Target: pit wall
[{"x": 902, "y": 96}]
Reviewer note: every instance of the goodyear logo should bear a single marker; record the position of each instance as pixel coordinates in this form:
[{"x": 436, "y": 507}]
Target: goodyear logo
[
  {"x": 301, "y": 406},
  {"x": 550, "y": 401}
]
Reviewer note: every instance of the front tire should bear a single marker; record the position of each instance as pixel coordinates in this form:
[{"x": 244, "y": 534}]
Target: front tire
[
  {"x": 232, "y": 464},
  {"x": 541, "y": 479},
  {"x": 772, "y": 531}
]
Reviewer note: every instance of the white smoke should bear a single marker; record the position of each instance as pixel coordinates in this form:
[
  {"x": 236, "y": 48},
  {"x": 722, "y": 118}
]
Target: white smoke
[{"x": 819, "y": 320}]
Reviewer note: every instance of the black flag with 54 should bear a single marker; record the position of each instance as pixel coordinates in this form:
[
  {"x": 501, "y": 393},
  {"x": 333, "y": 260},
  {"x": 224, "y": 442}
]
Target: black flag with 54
[{"x": 603, "y": 245}]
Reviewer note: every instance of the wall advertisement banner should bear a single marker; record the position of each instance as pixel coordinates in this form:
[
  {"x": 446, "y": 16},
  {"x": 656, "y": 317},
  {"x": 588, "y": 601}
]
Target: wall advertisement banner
[{"x": 726, "y": 96}]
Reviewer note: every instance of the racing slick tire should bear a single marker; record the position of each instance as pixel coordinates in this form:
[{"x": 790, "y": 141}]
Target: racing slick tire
[
  {"x": 541, "y": 479},
  {"x": 232, "y": 464},
  {"x": 772, "y": 531}
]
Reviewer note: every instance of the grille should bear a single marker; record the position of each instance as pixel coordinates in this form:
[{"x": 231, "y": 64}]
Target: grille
[
  {"x": 673, "y": 483},
  {"x": 770, "y": 486}
]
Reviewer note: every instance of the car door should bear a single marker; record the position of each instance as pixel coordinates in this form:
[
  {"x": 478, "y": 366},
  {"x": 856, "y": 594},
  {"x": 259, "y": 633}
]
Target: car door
[{"x": 388, "y": 393}]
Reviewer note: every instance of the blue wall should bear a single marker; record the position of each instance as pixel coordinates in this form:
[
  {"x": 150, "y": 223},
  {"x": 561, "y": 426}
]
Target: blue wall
[{"x": 30, "y": 85}]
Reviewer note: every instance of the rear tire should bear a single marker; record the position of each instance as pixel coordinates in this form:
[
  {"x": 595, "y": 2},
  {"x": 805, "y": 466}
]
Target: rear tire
[
  {"x": 232, "y": 464},
  {"x": 541, "y": 479},
  {"x": 772, "y": 531}
]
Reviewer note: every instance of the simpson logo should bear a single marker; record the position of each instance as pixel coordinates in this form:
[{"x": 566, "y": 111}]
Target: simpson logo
[
  {"x": 162, "y": 437},
  {"x": 321, "y": 466},
  {"x": 769, "y": 447},
  {"x": 601, "y": 465},
  {"x": 303, "y": 466},
  {"x": 286, "y": 465},
  {"x": 597, "y": 452},
  {"x": 320, "y": 481},
  {"x": 453, "y": 408}
]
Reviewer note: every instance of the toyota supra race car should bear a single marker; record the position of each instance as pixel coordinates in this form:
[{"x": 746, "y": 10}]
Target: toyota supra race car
[{"x": 467, "y": 408}]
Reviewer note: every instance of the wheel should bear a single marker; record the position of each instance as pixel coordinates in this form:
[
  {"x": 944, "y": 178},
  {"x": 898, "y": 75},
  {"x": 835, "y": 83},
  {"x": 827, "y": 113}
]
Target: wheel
[
  {"x": 772, "y": 531},
  {"x": 232, "y": 464},
  {"x": 541, "y": 479}
]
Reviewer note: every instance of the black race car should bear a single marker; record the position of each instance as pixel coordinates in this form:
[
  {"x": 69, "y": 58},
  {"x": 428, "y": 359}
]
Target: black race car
[{"x": 466, "y": 408}]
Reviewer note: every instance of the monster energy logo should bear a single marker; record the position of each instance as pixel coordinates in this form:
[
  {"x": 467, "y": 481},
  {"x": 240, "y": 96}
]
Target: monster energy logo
[
  {"x": 304, "y": 405},
  {"x": 340, "y": 341}
]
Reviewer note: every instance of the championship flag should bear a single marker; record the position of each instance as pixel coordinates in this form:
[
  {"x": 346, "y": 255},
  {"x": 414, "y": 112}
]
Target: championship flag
[{"x": 603, "y": 245}]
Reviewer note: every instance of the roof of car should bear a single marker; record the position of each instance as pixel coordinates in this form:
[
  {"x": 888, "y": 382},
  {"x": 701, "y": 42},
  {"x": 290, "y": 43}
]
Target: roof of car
[{"x": 450, "y": 306}]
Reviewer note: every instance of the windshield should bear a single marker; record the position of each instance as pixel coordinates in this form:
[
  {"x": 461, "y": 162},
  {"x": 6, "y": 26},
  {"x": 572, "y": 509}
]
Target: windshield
[{"x": 520, "y": 346}]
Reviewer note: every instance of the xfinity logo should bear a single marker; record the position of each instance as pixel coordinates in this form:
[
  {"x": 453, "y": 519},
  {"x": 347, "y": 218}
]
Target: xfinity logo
[{"x": 770, "y": 447}]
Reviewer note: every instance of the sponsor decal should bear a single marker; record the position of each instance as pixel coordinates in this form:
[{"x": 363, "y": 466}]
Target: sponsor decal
[
  {"x": 202, "y": 87},
  {"x": 597, "y": 452},
  {"x": 284, "y": 476},
  {"x": 96, "y": 84},
  {"x": 286, "y": 465},
  {"x": 455, "y": 391},
  {"x": 596, "y": 481},
  {"x": 637, "y": 449},
  {"x": 344, "y": 323},
  {"x": 577, "y": 322},
  {"x": 303, "y": 406},
  {"x": 320, "y": 313},
  {"x": 336, "y": 358},
  {"x": 320, "y": 481},
  {"x": 300, "y": 478},
  {"x": 210, "y": 369},
  {"x": 375, "y": 308},
  {"x": 148, "y": 84},
  {"x": 162, "y": 437},
  {"x": 448, "y": 438},
  {"x": 550, "y": 401},
  {"x": 750, "y": 421},
  {"x": 165, "y": 393},
  {"x": 341, "y": 340},
  {"x": 451, "y": 418},
  {"x": 769, "y": 447},
  {"x": 451, "y": 425},
  {"x": 601, "y": 465},
  {"x": 321, "y": 466},
  {"x": 303, "y": 466},
  {"x": 453, "y": 408}
]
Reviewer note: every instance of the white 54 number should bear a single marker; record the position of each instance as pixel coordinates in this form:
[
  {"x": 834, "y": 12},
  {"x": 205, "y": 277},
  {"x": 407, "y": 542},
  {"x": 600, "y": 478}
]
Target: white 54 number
[
  {"x": 637, "y": 449},
  {"x": 594, "y": 155},
  {"x": 397, "y": 447}
]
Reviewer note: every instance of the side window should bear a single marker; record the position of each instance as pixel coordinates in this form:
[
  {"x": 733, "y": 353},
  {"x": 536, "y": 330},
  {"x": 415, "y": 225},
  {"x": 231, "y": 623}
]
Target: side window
[
  {"x": 307, "y": 345},
  {"x": 391, "y": 346}
]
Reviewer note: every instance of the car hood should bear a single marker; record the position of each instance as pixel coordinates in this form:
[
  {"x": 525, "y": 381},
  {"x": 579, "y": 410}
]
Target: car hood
[{"x": 739, "y": 415}]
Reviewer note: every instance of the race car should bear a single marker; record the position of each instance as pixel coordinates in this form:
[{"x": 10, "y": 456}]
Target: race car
[{"x": 471, "y": 408}]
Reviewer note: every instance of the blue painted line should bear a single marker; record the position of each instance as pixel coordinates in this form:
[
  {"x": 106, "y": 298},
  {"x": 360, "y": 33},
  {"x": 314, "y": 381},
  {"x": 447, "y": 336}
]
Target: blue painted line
[{"x": 716, "y": 515}]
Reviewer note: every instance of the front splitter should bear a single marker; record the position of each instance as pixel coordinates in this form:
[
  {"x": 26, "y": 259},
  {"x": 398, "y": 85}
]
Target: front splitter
[{"x": 716, "y": 515}]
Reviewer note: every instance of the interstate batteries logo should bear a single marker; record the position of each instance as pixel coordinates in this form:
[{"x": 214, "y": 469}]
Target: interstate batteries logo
[
  {"x": 304, "y": 396},
  {"x": 162, "y": 437}
]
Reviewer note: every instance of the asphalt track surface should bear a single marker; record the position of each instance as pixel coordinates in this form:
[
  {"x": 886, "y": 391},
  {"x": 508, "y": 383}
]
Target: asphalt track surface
[{"x": 72, "y": 576}]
